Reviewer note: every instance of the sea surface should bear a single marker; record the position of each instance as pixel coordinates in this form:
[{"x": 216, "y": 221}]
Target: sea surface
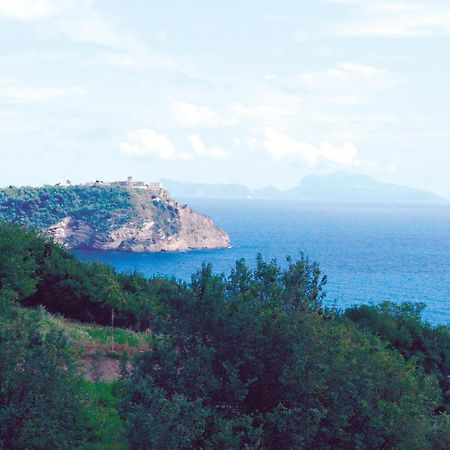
[{"x": 369, "y": 253}]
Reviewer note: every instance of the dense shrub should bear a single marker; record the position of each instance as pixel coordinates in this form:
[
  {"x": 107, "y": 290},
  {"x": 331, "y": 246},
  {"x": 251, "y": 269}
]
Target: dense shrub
[
  {"x": 102, "y": 207},
  {"x": 402, "y": 327},
  {"x": 45, "y": 206},
  {"x": 253, "y": 361},
  {"x": 40, "y": 399},
  {"x": 38, "y": 272}
]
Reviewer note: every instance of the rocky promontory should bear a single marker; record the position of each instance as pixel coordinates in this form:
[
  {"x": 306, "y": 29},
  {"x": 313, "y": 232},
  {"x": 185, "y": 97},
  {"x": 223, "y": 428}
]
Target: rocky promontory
[{"x": 124, "y": 216}]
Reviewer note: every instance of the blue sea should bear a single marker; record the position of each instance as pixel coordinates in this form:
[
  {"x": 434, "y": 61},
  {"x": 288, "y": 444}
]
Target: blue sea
[{"x": 369, "y": 253}]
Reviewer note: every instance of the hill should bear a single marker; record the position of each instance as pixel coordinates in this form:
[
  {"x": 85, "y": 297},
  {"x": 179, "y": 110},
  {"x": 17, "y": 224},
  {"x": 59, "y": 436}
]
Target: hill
[
  {"x": 339, "y": 187},
  {"x": 355, "y": 188},
  {"x": 111, "y": 216}
]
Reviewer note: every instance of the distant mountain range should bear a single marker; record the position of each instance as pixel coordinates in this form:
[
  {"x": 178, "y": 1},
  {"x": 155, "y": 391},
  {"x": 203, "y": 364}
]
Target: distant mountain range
[{"x": 336, "y": 187}]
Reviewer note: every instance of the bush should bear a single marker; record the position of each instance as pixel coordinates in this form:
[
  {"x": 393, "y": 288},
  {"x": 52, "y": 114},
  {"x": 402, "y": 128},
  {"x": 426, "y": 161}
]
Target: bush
[
  {"x": 253, "y": 361},
  {"x": 402, "y": 328},
  {"x": 35, "y": 271},
  {"x": 40, "y": 401}
]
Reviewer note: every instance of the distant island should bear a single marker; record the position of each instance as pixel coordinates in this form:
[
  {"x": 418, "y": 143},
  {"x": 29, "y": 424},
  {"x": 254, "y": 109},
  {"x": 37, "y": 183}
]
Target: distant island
[
  {"x": 340, "y": 187},
  {"x": 125, "y": 215}
]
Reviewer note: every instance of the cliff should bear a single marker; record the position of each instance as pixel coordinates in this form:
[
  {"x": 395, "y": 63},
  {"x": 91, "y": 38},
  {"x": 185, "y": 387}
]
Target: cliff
[{"x": 112, "y": 217}]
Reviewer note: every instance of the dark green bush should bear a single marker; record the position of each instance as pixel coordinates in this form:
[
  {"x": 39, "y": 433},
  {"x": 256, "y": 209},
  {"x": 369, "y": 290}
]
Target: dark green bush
[
  {"x": 40, "y": 398},
  {"x": 253, "y": 361}
]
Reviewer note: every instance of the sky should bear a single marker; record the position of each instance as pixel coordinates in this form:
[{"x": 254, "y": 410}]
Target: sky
[{"x": 254, "y": 92}]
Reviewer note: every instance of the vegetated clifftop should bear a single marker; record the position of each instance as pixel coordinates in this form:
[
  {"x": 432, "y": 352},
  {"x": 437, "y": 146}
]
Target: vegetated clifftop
[{"x": 112, "y": 216}]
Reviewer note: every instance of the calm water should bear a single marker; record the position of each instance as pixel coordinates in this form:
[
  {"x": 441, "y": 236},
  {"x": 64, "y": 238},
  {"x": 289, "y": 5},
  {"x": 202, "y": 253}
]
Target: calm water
[{"x": 370, "y": 254}]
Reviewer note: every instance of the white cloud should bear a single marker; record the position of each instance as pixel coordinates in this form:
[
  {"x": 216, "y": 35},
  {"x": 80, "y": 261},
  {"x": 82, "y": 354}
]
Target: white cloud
[
  {"x": 19, "y": 129},
  {"x": 191, "y": 116},
  {"x": 341, "y": 156},
  {"x": 261, "y": 111},
  {"x": 121, "y": 48},
  {"x": 96, "y": 29},
  {"x": 200, "y": 148},
  {"x": 161, "y": 35},
  {"x": 396, "y": 19},
  {"x": 130, "y": 61},
  {"x": 283, "y": 147},
  {"x": 32, "y": 9},
  {"x": 14, "y": 93},
  {"x": 347, "y": 119},
  {"x": 364, "y": 71},
  {"x": 146, "y": 142},
  {"x": 248, "y": 143},
  {"x": 350, "y": 74},
  {"x": 273, "y": 18}
]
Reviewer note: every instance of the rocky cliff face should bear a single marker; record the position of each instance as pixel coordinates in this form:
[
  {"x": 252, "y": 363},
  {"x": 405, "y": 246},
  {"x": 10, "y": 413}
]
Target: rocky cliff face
[{"x": 151, "y": 225}]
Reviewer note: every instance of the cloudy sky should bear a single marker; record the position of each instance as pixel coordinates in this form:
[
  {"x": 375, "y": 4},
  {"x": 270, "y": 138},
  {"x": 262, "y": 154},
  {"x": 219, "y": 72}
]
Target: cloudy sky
[{"x": 255, "y": 92}]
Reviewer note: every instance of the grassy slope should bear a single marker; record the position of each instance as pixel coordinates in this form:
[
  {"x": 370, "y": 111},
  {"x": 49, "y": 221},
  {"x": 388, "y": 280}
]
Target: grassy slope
[
  {"x": 84, "y": 336},
  {"x": 101, "y": 396}
]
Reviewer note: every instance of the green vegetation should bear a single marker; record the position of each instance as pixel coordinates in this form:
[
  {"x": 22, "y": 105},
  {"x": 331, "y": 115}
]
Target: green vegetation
[
  {"x": 43, "y": 207},
  {"x": 84, "y": 334},
  {"x": 107, "y": 428},
  {"x": 252, "y": 360},
  {"x": 34, "y": 272},
  {"x": 40, "y": 394},
  {"x": 44, "y": 403},
  {"x": 102, "y": 207},
  {"x": 402, "y": 328}
]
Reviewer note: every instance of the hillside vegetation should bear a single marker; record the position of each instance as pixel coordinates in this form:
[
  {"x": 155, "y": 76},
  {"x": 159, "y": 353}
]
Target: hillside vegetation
[
  {"x": 45, "y": 206},
  {"x": 111, "y": 217},
  {"x": 249, "y": 360}
]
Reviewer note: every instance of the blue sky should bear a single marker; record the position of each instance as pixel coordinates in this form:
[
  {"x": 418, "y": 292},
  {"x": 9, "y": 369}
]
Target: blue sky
[{"x": 253, "y": 92}]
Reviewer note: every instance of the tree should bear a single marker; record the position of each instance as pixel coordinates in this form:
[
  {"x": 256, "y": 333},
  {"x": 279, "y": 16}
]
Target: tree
[
  {"x": 19, "y": 251},
  {"x": 401, "y": 326},
  {"x": 40, "y": 400},
  {"x": 257, "y": 363}
]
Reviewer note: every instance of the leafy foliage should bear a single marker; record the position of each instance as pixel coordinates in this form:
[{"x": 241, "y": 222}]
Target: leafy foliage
[
  {"x": 43, "y": 207},
  {"x": 36, "y": 271},
  {"x": 402, "y": 327},
  {"x": 253, "y": 361},
  {"x": 107, "y": 429},
  {"x": 102, "y": 207},
  {"x": 40, "y": 399}
]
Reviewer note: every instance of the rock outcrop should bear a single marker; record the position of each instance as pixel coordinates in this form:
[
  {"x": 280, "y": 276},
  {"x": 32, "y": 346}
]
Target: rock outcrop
[
  {"x": 123, "y": 215},
  {"x": 157, "y": 226}
]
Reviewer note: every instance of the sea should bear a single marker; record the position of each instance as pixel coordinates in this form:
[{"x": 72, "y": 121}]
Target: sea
[{"x": 369, "y": 253}]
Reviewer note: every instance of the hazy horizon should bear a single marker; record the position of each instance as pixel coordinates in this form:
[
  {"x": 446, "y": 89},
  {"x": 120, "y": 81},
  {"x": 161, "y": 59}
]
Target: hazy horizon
[
  {"x": 164, "y": 181},
  {"x": 261, "y": 94}
]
